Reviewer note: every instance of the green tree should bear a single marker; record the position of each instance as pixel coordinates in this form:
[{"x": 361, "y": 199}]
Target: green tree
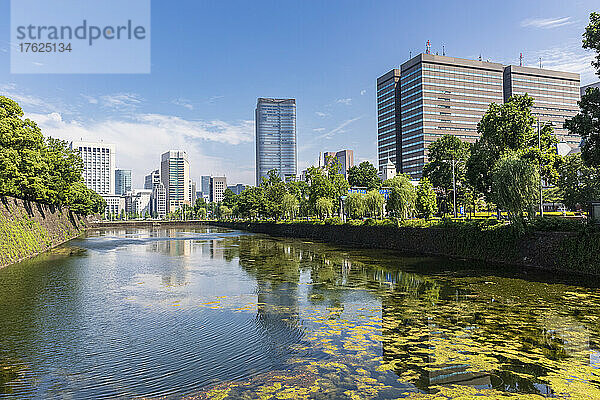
[
  {"x": 426, "y": 202},
  {"x": 402, "y": 196},
  {"x": 326, "y": 183},
  {"x": 375, "y": 202},
  {"x": 274, "y": 189},
  {"x": 201, "y": 213},
  {"x": 578, "y": 184},
  {"x": 515, "y": 186},
  {"x": 23, "y": 170},
  {"x": 224, "y": 212},
  {"x": 587, "y": 125},
  {"x": 355, "y": 205},
  {"x": 364, "y": 175},
  {"x": 443, "y": 154},
  {"x": 510, "y": 127},
  {"x": 251, "y": 202},
  {"x": 324, "y": 207},
  {"x": 229, "y": 198},
  {"x": 591, "y": 38},
  {"x": 64, "y": 169},
  {"x": 289, "y": 205}
]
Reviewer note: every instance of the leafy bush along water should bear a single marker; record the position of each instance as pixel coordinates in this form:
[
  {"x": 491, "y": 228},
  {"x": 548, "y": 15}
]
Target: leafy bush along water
[{"x": 550, "y": 242}]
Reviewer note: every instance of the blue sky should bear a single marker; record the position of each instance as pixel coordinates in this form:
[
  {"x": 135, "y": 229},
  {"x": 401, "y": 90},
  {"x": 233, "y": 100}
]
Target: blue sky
[{"x": 212, "y": 60}]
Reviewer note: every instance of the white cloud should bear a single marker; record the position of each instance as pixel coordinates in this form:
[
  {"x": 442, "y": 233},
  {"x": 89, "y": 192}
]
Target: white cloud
[
  {"x": 318, "y": 129},
  {"x": 363, "y": 92},
  {"x": 338, "y": 129},
  {"x": 347, "y": 101},
  {"x": 141, "y": 139},
  {"x": 546, "y": 23},
  {"x": 121, "y": 101},
  {"x": 569, "y": 58},
  {"x": 10, "y": 90},
  {"x": 214, "y": 99},
  {"x": 321, "y": 114},
  {"x": 90, "y": 99},
  {"x": 183, "y": 103}
]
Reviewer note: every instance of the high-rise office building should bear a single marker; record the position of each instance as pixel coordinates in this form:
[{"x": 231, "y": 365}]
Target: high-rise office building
[
  {"x": 276, "y": 138},
  {"x": 388, "y": 117},
  {"x": 153, "y": 178},
  {"x": 158, "y": 201},
  {"x": 122, "y": 181},
  {"x": 192, "y": 185},
  {"x": 344, "y": 157},
  {"x": 205, "y": 187},
  {"x": 555, "y": 95},
  {"x": 439, "y": 95},
  {"x": 175, "y": 176},
  {"x": 218, "y": 184},
  {"x": 98, "y": 165}
]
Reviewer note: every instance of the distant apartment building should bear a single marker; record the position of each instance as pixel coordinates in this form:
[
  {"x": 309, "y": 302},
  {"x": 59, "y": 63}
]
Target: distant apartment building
[
  {"x": 175, "y": 176},
  {"x": 218, "y": 184},
  {"x": 98, "y": 165},
  {"x": 122, "y": 181},
  {"x": 153, "y": 178},
  {"x": 237, "y": 189},
  {"x": 388, "y": 117},
  {"x": 344, "y": 157},
  {"x": 158, "y": 201},
  {"x": 138, "y": 202},
  {"x": 437, "y": 95},
  {"x": 115, "y": 205},
  {"x": 192, "y": 190},
  {"x": 276, "y": 138},
  {"x": 555, "y": 96}
]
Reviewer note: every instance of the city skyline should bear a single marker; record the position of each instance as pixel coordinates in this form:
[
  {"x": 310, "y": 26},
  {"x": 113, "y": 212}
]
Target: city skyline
[{"x": 331, "y": 57}]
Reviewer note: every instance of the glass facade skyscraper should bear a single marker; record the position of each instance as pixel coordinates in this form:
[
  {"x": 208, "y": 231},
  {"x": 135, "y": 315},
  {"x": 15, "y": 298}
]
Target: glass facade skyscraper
[
  {"x": 122, "y": 181},
  {"x": 276, "y": 138},
  {"x": 175, "y": 176}
]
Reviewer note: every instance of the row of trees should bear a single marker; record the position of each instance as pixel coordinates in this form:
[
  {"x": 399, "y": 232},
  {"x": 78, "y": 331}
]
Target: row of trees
[{"x": 40, "y": 169}]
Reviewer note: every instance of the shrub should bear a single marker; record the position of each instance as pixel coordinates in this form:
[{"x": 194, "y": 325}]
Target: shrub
[{"x": 334, "y": 221}]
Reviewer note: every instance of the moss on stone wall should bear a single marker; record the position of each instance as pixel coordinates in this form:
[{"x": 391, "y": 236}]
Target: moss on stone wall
[{"x": 27, "y": 228}]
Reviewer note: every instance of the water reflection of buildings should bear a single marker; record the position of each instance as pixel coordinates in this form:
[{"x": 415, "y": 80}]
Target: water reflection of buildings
[{"x": 275, "y": 266}]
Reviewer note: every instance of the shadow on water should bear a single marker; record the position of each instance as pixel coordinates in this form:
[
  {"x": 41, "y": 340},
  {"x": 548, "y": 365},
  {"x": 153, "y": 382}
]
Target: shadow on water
[{"x": 211, "y": 313}]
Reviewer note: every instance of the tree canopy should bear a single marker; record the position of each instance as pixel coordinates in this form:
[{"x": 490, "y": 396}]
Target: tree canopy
[
  {"x": 364, "y": 175},
  {"x": 40, "y": 169}
]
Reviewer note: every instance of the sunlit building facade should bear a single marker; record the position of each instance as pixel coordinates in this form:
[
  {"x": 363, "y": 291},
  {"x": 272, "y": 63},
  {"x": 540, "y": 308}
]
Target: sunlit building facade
[{"x": 276, "y": 138}]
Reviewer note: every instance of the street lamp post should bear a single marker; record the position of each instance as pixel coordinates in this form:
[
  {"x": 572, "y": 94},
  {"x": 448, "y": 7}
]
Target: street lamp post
[{"x": 454, "y": 185}]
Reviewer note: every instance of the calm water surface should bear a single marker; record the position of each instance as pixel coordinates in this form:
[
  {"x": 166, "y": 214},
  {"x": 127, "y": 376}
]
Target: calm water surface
[{"x": 211, "y": 314}]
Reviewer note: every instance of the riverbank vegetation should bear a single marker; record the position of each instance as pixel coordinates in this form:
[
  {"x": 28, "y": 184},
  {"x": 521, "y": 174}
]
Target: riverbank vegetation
[{"x": 39, "y": 169}]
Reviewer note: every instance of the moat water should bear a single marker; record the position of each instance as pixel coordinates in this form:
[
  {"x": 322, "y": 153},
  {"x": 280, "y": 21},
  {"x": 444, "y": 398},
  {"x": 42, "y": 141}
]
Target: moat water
[{"x": 214, "y": 313}]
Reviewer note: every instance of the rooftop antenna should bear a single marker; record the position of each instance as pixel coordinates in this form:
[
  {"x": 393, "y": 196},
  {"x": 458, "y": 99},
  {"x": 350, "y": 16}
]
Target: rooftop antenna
[
  {"x": 520, "y": 59},
  {"x": 428, "y": 48},
  {"x": 540, "y": 62},
  {"x": 409, "y": 55},
  {"x": 443, "y": 50},
  {"x": 480, "y": 57}
]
